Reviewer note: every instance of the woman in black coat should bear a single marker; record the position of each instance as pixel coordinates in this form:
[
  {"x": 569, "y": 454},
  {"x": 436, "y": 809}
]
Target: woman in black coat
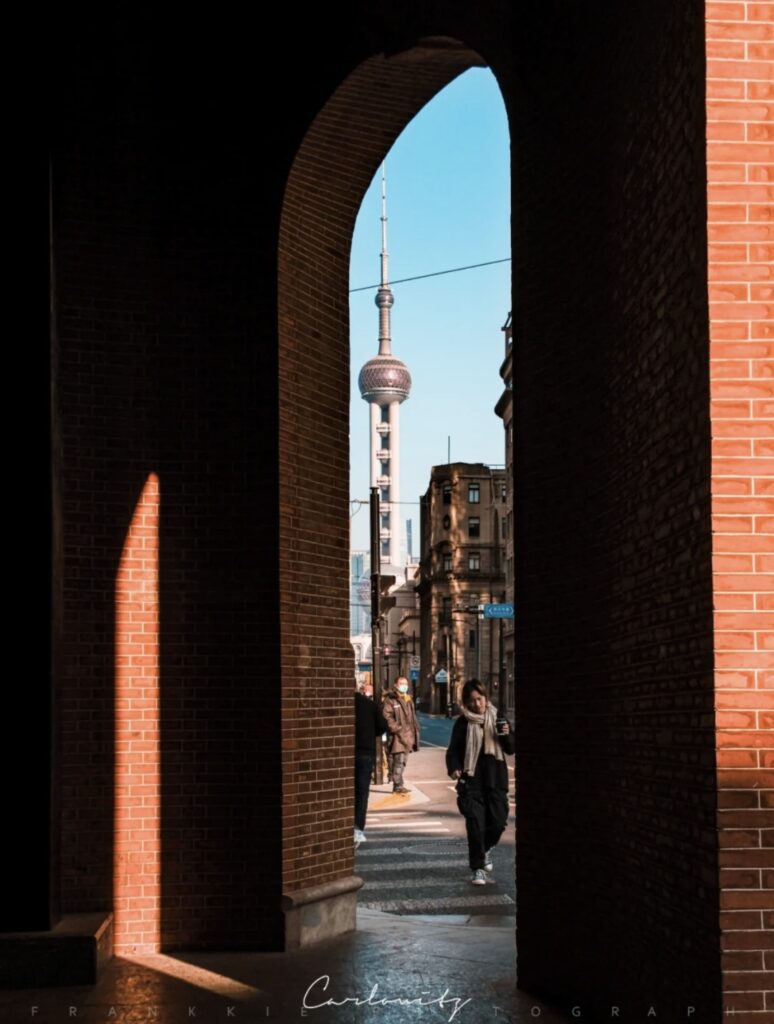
[{"x": 476, "y": 759}]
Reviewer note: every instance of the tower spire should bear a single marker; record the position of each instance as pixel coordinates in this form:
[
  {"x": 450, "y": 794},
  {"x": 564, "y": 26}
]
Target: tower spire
[
  {"x": 384, "y": 296},
  {"x": 384, "y": 383},
  {"x": 385, "y": 274}
]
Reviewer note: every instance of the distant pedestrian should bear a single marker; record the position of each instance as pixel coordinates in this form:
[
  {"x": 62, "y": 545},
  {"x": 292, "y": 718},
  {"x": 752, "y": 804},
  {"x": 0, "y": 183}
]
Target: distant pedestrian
[
  {"x": 403, "y": 728},
  {"x": 476, "y": 759},
  {"x": 369, "y": 723}
]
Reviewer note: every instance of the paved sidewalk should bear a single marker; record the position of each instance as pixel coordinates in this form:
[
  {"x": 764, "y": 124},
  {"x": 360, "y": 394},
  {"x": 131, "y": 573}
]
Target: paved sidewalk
[
  {"x": 393, "y": 969},
  {"x": 450, "y": 973}
]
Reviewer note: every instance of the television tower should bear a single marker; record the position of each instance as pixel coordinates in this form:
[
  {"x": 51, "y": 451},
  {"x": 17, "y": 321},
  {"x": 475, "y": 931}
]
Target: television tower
[{"x": 384, "y": 383}]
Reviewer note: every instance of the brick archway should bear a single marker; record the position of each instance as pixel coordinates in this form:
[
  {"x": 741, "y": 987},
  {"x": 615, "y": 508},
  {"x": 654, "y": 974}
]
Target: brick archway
[
  {"x": 195, "y": 338},
  {"x": 615, "y": 516},
  {"x": 330, "y": 174}
]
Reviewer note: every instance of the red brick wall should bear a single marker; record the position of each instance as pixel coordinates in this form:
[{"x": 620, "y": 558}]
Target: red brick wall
[
  {"x": 740, "y": 171},
  {"x": 168, "y": 366},
  {"x": 137, "y": 842},
  {"x": 615, "y": 766},
  {"x": 165, "y": 248}
]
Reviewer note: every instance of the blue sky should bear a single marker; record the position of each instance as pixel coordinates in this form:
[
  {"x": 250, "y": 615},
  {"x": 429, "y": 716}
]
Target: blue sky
[{"x": 448, "y": 205}]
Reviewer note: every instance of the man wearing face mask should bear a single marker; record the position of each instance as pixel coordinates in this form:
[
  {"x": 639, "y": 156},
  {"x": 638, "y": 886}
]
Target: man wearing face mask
[{"x": 403, "y": 729}]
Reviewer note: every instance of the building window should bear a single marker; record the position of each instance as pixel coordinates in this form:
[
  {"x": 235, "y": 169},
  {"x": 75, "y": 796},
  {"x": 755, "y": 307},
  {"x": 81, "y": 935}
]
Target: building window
[
  {"x": 474, "y": 527},
  {"x": 385, "y": 520},
  {"x": 446, "y": 522},
  {"x": 474, "y": 561},
  {"x": 447, "y": 561},
  {"x": 385, "y": 549},
  {"x": 472, "y": 639},
  {"x": 504, "y": 527},
  {"x": 385, "y": 441},
  {"x": 446, "y": 493},
  {"x": 503, "y": 493},
  {"x": 385, "y": 494},
  {"x": 384, "y": 411},
  {"x": 474, "y": 493}
]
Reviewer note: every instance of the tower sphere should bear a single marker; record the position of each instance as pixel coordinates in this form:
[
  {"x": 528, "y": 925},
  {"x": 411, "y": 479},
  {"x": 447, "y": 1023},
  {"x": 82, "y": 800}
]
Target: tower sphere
[
  {"x": 384, "y": 297},
  {"x": 384, "y": 379}
]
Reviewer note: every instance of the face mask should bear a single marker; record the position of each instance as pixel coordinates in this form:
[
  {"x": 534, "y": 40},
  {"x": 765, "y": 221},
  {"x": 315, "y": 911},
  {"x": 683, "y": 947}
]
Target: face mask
[{"x": 403, "y": 688}]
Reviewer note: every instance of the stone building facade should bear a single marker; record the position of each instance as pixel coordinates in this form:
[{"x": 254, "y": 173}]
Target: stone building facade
[{"x": 461, "y": 568}]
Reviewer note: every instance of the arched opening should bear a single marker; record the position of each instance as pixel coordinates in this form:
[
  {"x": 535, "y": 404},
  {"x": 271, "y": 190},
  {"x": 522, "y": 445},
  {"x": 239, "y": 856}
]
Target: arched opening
[
  {"x": 329, "y": 177},
  {"x": 426, "y": 377},
  {"x": 587, "y": 457}
]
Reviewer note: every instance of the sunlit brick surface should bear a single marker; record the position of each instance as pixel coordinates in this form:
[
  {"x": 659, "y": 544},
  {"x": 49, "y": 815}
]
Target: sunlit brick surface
[
  {"x": 740, "y": 169},
  {"x": 137, "y": 845}
]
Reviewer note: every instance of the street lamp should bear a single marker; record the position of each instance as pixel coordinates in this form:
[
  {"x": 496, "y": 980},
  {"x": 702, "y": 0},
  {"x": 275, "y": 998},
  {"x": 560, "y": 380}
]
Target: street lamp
[{"x": 449, "y": 701}]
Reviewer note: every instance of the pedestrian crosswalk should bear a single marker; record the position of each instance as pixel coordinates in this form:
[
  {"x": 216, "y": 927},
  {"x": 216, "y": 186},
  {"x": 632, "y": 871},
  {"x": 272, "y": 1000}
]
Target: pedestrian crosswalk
[{"x": 413, "y": 863}]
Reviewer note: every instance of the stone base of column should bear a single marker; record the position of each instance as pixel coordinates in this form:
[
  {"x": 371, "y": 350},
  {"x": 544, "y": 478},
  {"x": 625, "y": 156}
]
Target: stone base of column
[
  {"x": 320, "y": 912},
  {"x": 74, "y": 952}
]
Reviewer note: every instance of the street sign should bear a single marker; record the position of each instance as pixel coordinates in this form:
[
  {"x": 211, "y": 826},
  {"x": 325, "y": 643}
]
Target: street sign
[
  {"x": 414, "y": 674},
  {"x": 442, "y": 676},
  {"x": 498, "y": 611},
  {"x": 414, "y": 661}
]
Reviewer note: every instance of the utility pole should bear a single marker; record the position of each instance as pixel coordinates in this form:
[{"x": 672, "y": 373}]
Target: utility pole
[
  {"x": 376, "y": 631},
  {"x": 501, "y": 666},
  {"x": 479, "y": 616},
  {"x": 381, "y": 602}
]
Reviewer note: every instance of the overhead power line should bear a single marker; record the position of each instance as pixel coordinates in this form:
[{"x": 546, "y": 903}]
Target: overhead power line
[{"x": 437, "y": 273}]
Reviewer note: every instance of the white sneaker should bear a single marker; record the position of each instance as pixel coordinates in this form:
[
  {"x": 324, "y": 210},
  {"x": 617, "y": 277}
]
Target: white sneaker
[
  {"x": 488, "y": 865},
  {"x": 359, "y": 837},
  {"x": 479, "y": 877}
]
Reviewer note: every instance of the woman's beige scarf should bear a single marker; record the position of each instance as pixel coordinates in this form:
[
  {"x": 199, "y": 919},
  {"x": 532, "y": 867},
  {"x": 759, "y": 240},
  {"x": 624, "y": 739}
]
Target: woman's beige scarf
[{"x": 475, "y": 735}]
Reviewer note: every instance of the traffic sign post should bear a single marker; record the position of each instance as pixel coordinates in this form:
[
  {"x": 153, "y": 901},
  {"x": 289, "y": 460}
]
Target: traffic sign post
[{"x": 498, "y": 611}]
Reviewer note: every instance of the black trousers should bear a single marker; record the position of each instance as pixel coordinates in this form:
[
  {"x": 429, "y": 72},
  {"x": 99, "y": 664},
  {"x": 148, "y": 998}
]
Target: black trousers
[
  {"x": 486, "y": 815},
  {"x": 364, "y": 765}
]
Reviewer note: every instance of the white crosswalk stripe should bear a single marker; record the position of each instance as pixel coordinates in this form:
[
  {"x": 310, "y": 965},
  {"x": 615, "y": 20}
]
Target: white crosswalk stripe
[
  {"x": 425, "y": 865},
  {"x": 412, "y": 883},
  {"x": 396, "y": 851},
  {"x": 414, "y": 822},
  {"x": 412, "y": 825},
  {"x": 419, "y": 906}
]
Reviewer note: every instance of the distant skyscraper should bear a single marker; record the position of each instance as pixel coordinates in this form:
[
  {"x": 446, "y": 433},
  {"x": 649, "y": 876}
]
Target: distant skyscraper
[
  {"x": 359, "y": 593},
  {"x": 384, "y": 383}
]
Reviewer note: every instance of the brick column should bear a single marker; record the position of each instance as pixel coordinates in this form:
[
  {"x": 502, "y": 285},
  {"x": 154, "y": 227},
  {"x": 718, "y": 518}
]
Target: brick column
[{"x": 740, "y": 45}]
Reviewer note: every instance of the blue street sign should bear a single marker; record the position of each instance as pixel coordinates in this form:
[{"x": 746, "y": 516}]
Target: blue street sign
[
  {"x": 498, "y": 611},
  {"x": 414, "y": 674}
]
